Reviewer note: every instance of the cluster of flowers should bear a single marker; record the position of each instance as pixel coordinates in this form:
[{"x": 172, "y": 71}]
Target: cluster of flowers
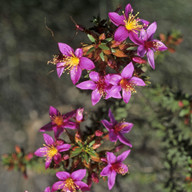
[
  {"x": 108, "y": 50},
  {"x": 81, "y": 153},
  {"x": 111, "y": 51}
]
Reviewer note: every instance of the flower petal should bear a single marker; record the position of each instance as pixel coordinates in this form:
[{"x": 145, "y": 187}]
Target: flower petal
[
  {"x": 151, "y": 30},
  {"x": 83, "y": 186},
  {"x": 78, "y": 175},
  {"x": 145, "y": 22},
  {"x": 135, "y": 38},
  {"x": 127, "y": 72},
  {"x": 75, "y": 74},
  {"x": 58, "y": 131},
  {"x": 126, "y": 127},
  {"x": 111, "y": 179},
  {"x": 62, "y": 175},
  {"x": 123, "y": 156},
  {"x": 47, "y": 127},
  {"x": 47, "y": 162},
  {"x": 121, "y": 34},
  {"x": 141, "y": 50},
  {"x": 47, "y": 189},
  {"x": 137, "y": 81},
  {"x": 106, "y": 171},
  {"x": 128, "y": 9},
  {"x": 159, "y": 46},
  {"x": 95, "y": 97},
  {"x": 116, "y": 19},
  {"x": 60, "y": 68},
  {"x": 115, "y": 92},
  {"x": 65, "y": 49},
  {"x": 123, "y": 140},
  {"x": 79, "y": 52},
  {"x": 126, "y": 96},
  {"x": 94, "y": 76},
  {"x": 48, "y": 139},
  {"x": 112, "y": 136},
  {"x": 57, "y": 158},
  {"x": 86, "y": 63},
  {"x": 53, "y": 111},
  {"x": 111, "y": 117},
  {"x": 64, "y": 147},
  {"x": 111, "y": 158},
  {"x": 106, "y": 124},
  {"x": 41, "y": 152},
  {"x": 115, "y": 79},
  {"x": 150, "y": 58},
  {"x": 58, "y": 185},
  {"x": 87, "y": 85}
]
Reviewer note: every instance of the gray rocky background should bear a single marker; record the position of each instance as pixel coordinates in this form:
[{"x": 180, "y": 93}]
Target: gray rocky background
[{"x": 28, "y": 86}]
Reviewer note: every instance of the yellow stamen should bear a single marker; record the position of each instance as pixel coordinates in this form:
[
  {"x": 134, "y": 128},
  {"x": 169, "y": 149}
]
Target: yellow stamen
[
  {"x": 132, "y": 23},
  {"x": 71, "y": 62},
  {"x": 51, "y": 151},
  {"x": 58, "y": 120},
  {"x": 70, "y": 186},
  {"x": 125, "y": 84}
]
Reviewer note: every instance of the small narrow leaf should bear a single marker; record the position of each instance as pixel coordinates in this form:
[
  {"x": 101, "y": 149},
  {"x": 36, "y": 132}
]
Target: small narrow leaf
[
  {"x": 91, "y": 38},
  {"x": 102, "y": 56}
]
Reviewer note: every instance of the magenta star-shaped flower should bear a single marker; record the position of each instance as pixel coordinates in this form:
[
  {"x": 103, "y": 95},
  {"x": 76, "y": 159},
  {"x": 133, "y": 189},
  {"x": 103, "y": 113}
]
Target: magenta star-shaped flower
[
  {"x": 100, "y": 86},
  {"x": 126, "y": 23},
  {"x": 146, "y": 43},
  {"x": 52, "y": 150},
  {"x": 58, "y": 122},
  {"x": 114, "y": 166},
  {"x": 71, "y": 182},
  {"x": 73, "y": 61},
  {"x": 117, "y": 130},
  {"x": 126, "y": 81}
]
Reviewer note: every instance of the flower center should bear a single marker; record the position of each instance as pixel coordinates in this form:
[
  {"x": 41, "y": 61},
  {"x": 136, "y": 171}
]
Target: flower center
[
  {"x": 119, "y": 127},
  {"x": 51, "y": 151},
  {"x": 58, "y": 120},
  {"x": 70, "y": 62},
  {"x": 127, "y": 85},
  {"x": 101, "y": 85},
  {"x": 152, "y": 44},
  {"x": 70, "y": 186},
  {"x": 118, "y": 167},
  {"x": 132, "y": 23}
]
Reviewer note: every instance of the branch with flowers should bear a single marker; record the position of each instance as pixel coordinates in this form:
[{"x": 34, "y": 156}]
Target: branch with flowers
[{"x": 111, "y": 66}]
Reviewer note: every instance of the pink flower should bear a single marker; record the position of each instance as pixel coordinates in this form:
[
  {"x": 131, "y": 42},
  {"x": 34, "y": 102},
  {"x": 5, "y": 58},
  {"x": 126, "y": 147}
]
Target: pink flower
[
  {"x": 126, "y": 81},
  {"x": 52, "y": 150},
  {"x": 126, "y": 23},
  {"x": 117, "y": 130},
  {"x": 100, "y": 86},
  {"x": 58, "y": 122},
  {"x": 147, "y": 45},
  {"x": 115, "y": 166},
  {"x": 71, "y": 182},
  {"x": 73, "y": 61},
  {"x": 47, "y": 189}
]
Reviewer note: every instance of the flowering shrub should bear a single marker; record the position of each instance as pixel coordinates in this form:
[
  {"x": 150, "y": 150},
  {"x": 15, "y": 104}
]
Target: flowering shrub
[{"x": 111, "y": 66}]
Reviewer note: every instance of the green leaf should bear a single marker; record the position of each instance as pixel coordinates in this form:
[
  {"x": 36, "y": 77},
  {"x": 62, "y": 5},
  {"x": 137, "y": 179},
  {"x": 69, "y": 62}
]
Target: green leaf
[
  {"x": 103, "y": 46},
  {"x": 91, "y": 143},
  {"x": 183, "y": 112},
  {"x": 109, "y": 39},
  {"x": 76, "y": 152},
  {"x": 90, "y": 50},
  {"x": 86, "y": 157},
  {"x": 102, "y": 56},
  {"x": 185, "y": 102},
  {"x": 91, "y": 38}
]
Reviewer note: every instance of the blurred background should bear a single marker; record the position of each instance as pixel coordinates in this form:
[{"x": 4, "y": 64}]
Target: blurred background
[{"x": 28, "y": 86}]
